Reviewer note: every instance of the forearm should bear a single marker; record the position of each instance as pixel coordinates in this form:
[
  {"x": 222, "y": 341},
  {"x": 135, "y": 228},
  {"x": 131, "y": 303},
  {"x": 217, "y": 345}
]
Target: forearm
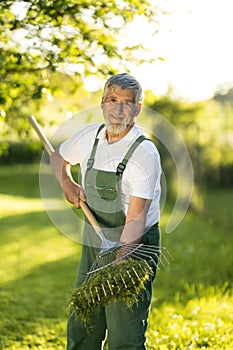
[
  {"x": 60, "y": 168},
  {"x": 135, "y": 220},
  {"x": 133, "y": 231}
]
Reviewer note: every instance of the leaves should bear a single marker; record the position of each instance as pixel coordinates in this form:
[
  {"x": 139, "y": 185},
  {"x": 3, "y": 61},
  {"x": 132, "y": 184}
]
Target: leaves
[
  {"x": 44, "y": 36},
  {"x": 123, "y": 281}
]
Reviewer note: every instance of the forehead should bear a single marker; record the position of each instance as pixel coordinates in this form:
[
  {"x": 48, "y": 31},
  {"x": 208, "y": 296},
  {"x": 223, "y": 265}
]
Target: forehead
[{"x": 117, "y": 92}]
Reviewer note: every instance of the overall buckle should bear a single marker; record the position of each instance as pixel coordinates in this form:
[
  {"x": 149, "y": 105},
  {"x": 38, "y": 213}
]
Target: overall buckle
[
  {"x": 90, "y": 163},
  {"x": 120, "y": 168}
]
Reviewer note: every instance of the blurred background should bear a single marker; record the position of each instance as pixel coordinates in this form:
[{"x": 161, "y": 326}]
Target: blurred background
[{"x": 55, "y": 58}]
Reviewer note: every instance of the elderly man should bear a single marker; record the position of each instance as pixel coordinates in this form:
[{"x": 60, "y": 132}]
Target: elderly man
[{"x": 120, "y": 171}]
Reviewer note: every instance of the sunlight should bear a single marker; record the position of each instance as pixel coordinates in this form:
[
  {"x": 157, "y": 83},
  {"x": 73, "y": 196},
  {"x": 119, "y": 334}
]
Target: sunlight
[
  {"x": 12, "y": 205},
  {"x": 194, "y": 40}
]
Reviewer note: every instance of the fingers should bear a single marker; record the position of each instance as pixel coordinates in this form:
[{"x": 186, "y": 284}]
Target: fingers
[
  {"x": 76, "y": 202},
  {"x": 82, "y": 195},
  {"x": 73, "y": 193},
  {"x": 76, "y": 196}
]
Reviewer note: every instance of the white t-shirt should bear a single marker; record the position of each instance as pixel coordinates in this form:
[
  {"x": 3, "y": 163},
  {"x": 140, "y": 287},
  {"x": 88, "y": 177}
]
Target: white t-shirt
[{"x": 141, "y": 177}]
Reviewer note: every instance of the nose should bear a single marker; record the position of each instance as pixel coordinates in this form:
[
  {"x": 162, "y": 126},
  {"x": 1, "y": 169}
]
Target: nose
[{"x": 120, "y": 106}]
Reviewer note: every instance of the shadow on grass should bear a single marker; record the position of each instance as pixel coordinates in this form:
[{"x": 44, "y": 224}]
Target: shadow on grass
[
  {"x": 36, "y": 301},
  {"x": 20, "y": 180},
  {"x": 38, "y": 265}
]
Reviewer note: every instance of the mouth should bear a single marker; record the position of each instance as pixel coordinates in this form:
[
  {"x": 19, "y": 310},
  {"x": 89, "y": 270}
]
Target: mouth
[{"x": 116, "y": 118}]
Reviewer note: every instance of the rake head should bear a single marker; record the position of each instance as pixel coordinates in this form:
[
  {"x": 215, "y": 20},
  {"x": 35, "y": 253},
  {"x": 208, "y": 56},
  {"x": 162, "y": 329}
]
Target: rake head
[
  {"x": 123, "y": 281},
  {"x": 112, "y": 278}
]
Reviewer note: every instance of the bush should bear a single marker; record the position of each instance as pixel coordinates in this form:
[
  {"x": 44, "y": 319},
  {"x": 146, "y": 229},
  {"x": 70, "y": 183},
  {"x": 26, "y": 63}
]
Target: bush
[{"x": 20, "y": 152}]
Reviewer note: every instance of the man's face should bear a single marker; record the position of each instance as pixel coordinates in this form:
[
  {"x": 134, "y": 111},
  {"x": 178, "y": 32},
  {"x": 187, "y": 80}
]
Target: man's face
[{"x": 119, "y": 109}]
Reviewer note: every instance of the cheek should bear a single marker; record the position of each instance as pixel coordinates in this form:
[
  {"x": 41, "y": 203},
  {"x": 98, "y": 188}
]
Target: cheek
[{"x": 131, "y": 115}]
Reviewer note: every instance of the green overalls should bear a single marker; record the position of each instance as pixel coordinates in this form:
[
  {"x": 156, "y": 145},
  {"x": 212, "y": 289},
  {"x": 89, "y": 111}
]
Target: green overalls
[{"x": 126, "y": 327}]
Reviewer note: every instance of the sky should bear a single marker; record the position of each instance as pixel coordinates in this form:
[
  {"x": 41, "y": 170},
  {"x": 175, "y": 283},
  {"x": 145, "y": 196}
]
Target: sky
[{"x": 195, "y": 40}]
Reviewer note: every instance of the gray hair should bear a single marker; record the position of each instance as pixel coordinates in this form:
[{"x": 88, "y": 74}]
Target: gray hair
[{"x": 125, "y": 81}]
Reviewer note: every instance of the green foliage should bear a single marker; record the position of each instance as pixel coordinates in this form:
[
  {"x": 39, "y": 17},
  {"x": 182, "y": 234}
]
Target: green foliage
[
  {"x": 20, "y": 152},
  {"x": 206, "y": 128},
  {"x": 123, "y": 281},
  {"x": 72, "y": 37}
]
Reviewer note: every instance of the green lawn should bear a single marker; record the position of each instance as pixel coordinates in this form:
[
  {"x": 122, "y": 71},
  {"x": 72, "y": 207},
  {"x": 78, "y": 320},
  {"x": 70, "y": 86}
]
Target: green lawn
[{"x": 192, "y": 304}]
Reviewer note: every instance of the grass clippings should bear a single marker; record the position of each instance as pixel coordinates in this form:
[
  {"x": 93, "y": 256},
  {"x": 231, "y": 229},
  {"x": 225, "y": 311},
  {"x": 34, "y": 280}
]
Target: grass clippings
[{"x": 123, "y": 281}]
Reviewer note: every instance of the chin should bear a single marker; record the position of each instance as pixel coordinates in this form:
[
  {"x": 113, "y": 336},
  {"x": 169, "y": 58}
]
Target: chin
[{"x": 116, "y": 129}]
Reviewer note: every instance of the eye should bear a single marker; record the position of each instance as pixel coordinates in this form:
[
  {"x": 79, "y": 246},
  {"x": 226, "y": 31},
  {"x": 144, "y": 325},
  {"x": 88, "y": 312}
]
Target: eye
[
  {"x": 111, "y": 100},
  {"x": 129, "y": 103}
]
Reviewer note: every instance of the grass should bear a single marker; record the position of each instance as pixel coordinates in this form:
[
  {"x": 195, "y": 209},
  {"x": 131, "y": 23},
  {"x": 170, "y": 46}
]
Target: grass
[{"x": 192, "y": 305}]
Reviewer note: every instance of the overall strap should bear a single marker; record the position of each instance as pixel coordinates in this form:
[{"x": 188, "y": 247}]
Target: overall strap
[
  {"x": 91, "y": 160},
  {"x": 122, "y": 165}
]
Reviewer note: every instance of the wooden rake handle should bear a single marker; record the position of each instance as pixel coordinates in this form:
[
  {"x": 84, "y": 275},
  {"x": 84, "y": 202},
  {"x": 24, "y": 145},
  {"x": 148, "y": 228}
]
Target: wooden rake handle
[{"x": 49, "y": 148}]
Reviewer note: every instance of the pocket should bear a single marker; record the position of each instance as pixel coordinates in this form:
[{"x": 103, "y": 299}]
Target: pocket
[{"x": 108, "y": 194}]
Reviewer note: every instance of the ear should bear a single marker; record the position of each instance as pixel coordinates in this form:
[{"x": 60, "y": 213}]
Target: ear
[
  {"x": 102, "y": 102},
  {"x": 138, "y": 110}
]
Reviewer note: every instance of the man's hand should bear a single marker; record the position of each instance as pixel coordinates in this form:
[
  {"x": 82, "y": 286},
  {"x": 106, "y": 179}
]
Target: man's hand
[
  {"x": 72, "y": 191},
  {"x": 61, "y": 170}
]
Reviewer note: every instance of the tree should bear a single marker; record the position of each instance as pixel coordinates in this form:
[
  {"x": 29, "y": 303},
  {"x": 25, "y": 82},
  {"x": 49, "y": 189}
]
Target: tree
[
  {"x": 206, "y": 127},
  {"x": 39, "y": 37}
]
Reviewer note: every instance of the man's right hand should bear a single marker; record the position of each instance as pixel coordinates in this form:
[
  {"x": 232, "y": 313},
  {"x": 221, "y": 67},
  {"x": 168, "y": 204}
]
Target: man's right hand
[
  {"x": 61, "y": 170},
  {"x": 73, "y": 192}
]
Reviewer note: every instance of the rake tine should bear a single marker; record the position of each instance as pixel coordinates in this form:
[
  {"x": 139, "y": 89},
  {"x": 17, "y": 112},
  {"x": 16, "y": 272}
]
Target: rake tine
[
  {"x": 97, "y": 293},
  {"x": 142, "y": 256},
  {"x": 91, "y": 294},
  {"x": 105, "y": 294},
  {"x": 151, "y": 259},
  {"x": 142, "y": 269},
  {"x": 125, "y": 285},
  {"x": 130, "y": 277},
  {"x": 145, "y": 253},
  {"x": 140, "y": 248},
  {"x": 136, "y": 274},
  {"x": 154, "y": 250},
  {"x": 157, "y": 254},
  {"x": 94, "y": 266},
  {"x": 115, "y": 280},
  {"x": 162, "y": 259},
  {"x": 168, "y": 253},
  {"x": 110, "y": 288}
]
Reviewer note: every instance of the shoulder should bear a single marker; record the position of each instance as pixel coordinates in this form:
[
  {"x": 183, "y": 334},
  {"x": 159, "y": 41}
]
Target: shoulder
[
  {"x": 147, "y": 154},
  {"x": 147, "y": 146},
  {"x": 73, "y": 148},
  {"x": 88, "y": 131},
  {"x": 83, "y": 135}
]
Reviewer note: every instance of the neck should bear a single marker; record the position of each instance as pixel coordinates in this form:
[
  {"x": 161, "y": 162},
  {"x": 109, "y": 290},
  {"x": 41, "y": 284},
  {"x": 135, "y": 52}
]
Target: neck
[{"x": 113, "y": 137}]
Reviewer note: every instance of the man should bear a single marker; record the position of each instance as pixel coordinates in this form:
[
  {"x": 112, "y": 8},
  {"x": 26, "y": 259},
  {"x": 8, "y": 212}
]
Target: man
[{"x": 120, "y": 171}]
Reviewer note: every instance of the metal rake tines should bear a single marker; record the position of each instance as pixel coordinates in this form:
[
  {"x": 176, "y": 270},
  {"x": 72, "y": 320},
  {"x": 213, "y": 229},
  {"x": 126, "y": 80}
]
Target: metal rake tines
[
  {"x": 117, "y": 273},
  {"x": 120, "y": 281},
  {"x": 155, "y": 254},
  {"x": 159, "y": 254}
]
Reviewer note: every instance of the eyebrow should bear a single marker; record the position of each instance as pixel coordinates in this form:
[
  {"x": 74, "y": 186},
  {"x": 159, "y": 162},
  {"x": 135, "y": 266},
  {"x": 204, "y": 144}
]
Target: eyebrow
[{"x": 114, "y": 96}]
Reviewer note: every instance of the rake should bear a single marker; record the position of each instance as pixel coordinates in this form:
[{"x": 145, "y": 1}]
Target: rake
[
  {"x": 111, "y": 278},
  {"x": 120, "y": 270}
]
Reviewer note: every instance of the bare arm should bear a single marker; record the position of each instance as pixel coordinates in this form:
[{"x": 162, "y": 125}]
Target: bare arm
[
  {"x": 135, "y": 220},
  {"x": 61, "y": 170}
]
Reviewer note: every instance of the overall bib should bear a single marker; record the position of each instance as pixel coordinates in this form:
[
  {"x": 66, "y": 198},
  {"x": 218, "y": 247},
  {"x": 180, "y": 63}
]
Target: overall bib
[{"x": 126, "y": 327}]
